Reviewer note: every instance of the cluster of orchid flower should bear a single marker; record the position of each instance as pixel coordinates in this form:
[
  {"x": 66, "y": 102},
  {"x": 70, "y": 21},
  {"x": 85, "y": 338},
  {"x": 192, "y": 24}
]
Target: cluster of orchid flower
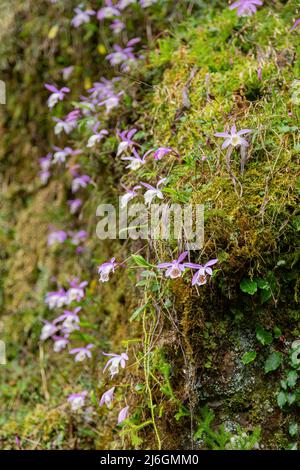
[
  {"x": 177, "y": 267},
  {"x": 60, "y": 329},
  {"x": 105, "y": 96},
  {"x": 109, "y": 11},
  {"x": 77, "y": 400},
  {"x": 67, "y": 322},
  {"x": 127, "y": 144},
  {"x": 79, "y": 181},
  {"x": 125, "y": 57},
  {"x": 58, "y": 237},
  {"x": 174, "y": 269}
]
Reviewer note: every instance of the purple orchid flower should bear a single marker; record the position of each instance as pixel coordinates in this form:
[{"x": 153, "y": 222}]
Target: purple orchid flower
[
  {"x": 56, "y": 299},
  {"x": 176, "y": 268},
  {"x": 67, "y": 72},
  {"x": 60, "y": 154},
  {"x": 111, "y": 102},
  {"x": 63, "y": 125},
  {"x": 126, "y": 140},
  {"x": 159, "y": 153},
  {"x": 82, "y": 353},
  {"x": 153, "y": 191},
  {"x": 57, "y": 236},
  {"x": 97, "y": 136},
  {"x": 104, "y": 88},
  {"x": 77, "y": 400},
  {"x": 48, "y": 330},
  {"x": 107, "y": 398},
  {"x": 80, "y": 182},
  {"x": 76, "y": 291},
  {"x": 56, "y": 94},
  {"x": 117, "y": 26},
  {"x": 18, "y": 442},
  {"x": 234, "y": 138},
  {"x": 106, "y": 268},
  {"x": 45, "y": 164},
  {"x": 107, "y": 12},
  {"x": 120, "y": 55},
  {"x": 246, "y": 7},
  {"x": 68, "y": 124},
  {"x": 69, "y": 320},
  {"x": 78, "y": 237},
  {"x": 114, "y": 363},
  {"x": 73, "y": 115},
  {"x": 123, "y": 56},
  {"x": 135, "y": 160},
  {"x": 74, "y": 205},
  {"x": 297, "y": 22},
  {"x": 128, "y": 196},
  {"x": 44, "y": 176},
  {"x": 60, "y": 343},
  {"x": 122, "y": 4},
  {"x": 82, "y": 17},
  {"x": 123, "y": 414},
  {"x": 259, "y": 73},
  {"x": 88, "y": 105},
  {"x": 200, "y": 277}
]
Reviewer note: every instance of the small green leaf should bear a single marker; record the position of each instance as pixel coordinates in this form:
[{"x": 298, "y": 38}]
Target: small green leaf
[
  {"x": 281, "y": 399},
  {"x": 262, "y": 283},
  {"x": 291, "y": 397},
  {"x": 137, "y": 312},
  {"x": 296, "y": 223},
  {"x": 248, "y": 286},
  {"x": 248, "y": 357},
  {"x": 183, "y": 411},
  {"x": 263, "y": 336},
  {"x": 265, "y": 295},
  {"x": 140, "y": 261},
  {"x": 283, "y": 384},
  {"x": 293, "y": 429},
  {"x": 292, "y": 378},
  {"x": 273, "y": 362},
  {"x": 277, "y": 332}
]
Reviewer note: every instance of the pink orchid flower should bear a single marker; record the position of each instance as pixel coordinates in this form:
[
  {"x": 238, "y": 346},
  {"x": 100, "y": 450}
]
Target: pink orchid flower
[
  {"x": 82, "y": 353},
  {"x": 129, "y": 195},
  {"x": 56, "y": 94},
  {"x": 153, "y": 192},
  {"x": 234, "y": 138},
  {"x": 126, "y": 140},
  {"x": 200, "y": 277},
  {"x": 246, "y": 7},
  {"x": 114, "y": 363},
  {"x": 56, "y": 299},
  {"x": 77, "y": 400},
  {"x": 107, "y": 398},
  {"x": 123, "y": 414},
  {"x": 106, "y": 268},
  {"x": 176, "y": 267},
  {"x": 82, "y": 17}
]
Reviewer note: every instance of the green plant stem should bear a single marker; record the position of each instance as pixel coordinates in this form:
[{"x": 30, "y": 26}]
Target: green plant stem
[{"x": 147, "y": 374}]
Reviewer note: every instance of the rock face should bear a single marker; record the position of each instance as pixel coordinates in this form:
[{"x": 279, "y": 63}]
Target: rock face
[
  {"x": 231, "y": 378},
  {"x": 206, "y": 71}
]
